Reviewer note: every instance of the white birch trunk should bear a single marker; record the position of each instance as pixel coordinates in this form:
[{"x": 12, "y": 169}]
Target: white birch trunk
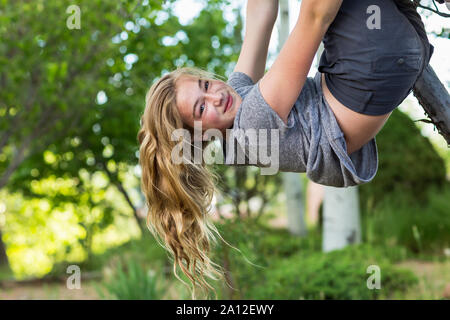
[
  {"x": 341, "y": 224},
  {"x": 294, "y": 203}
]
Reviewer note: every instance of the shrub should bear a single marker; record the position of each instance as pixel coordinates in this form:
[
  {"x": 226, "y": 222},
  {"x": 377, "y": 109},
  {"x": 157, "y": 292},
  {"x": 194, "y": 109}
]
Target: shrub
[
  {"x": 259, "y": 246},
  {"x": 141, "y": 250},
  {"x": 132, "y": 282},
  {"x": 277, "y": 265},
  {"x": 421, "y": 227},
  {"x": 408, "y": 163},
  {"x": 339, "y": 274}
]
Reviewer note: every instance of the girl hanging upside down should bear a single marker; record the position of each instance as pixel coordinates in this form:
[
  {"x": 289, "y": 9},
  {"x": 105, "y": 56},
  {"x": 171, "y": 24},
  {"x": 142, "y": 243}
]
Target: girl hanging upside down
[{"x": 374, "y": 51}]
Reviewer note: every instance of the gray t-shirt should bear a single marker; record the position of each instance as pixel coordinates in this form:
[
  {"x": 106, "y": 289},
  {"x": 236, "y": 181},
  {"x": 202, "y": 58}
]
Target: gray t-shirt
[{"x": 311, "y": 142}]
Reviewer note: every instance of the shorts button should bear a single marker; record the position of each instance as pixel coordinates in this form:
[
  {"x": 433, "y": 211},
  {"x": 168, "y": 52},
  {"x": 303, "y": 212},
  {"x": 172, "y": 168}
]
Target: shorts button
[{"x": 400, "y": 61}]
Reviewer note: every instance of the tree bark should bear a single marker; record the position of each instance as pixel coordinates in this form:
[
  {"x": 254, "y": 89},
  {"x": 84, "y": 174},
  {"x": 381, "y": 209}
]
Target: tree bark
[
  {"x": 341, "y": 224},
  {"x": 295, "y": 204},
  {"x": 3, "y": 256},
  {"x": 115, "y": 181},
  {"x": 17, "y": 159},
  {"x": 435, "y": 100}
]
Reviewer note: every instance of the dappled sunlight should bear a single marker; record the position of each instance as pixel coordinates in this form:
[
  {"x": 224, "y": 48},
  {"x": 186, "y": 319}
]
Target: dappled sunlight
[{"x": 40, "y": 232}]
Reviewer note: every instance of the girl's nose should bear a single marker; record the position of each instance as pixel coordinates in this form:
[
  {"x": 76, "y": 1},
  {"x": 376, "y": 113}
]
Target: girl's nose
[{"x": 216, "y": 99}]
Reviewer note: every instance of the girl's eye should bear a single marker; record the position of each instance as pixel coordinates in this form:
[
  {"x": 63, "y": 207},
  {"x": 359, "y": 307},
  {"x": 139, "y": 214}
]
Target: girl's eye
[{"x": 202, "y": 108}]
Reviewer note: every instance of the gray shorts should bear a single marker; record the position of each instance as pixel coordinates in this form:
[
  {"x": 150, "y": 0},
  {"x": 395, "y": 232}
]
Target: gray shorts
[{"x": 372, "y": 70}]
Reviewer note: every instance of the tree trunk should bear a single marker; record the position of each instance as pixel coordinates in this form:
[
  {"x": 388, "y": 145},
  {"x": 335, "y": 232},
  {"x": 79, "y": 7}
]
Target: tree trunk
[
  {"x": 435, "y": 100},
  {"x": 294, "y": 204},
  {"x": 314, "y": 198},
  {"x": 341, "y": 224},
  {"x": 115, "y": 181},
  {"x": 291, "y": 180},
  {"x": 283, "y": 24},
  {"x": 3, "y": 256}
]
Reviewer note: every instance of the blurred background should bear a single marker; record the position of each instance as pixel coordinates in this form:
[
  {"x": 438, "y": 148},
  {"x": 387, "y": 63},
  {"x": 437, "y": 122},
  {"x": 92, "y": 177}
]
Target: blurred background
[{"x": 72, "y": 216}]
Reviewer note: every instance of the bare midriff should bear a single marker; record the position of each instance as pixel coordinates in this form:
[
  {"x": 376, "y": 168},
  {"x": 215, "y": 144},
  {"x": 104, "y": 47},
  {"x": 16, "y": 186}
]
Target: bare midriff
[{"x": 358, "y": 128}]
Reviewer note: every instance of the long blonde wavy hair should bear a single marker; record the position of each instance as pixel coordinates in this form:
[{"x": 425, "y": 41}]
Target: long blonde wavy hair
[{"x": 178, "y": 196}]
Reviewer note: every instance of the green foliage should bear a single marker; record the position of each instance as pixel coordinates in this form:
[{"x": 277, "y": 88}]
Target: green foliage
[
  {"x": 141, "y": 250},
  {"x": 339, "y": 274},
  {"x": 419, "y": 226},
  {"x": 408, "y": 163},
  {"x": 239, "y": 185},
  {"x": 133, "y": 282},
  {"x": 259, "y": 246},
  {"x": 143, "y": 254},
  {"x": 50, "y": 77},
  {"x": 406, "y": 204},
  {"x": 5, "y": 273},
  {"x": 73, "y": 66},
  {"x": 55, "y": 233},
  {"x": 276, "y": 265},
  {"x": 50, "y": 74},
  {"x": 249, "y": 234}
]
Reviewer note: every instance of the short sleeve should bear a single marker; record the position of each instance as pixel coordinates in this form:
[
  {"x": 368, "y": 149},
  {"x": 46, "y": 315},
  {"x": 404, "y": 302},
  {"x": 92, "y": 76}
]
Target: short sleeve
[
  {"x": 256, "y": 113},
  {"x": 239, "y": 79}
]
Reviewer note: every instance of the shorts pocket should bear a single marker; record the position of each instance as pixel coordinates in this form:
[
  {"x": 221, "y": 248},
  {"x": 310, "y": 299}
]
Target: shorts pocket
[{"x": 395, "y": 64}]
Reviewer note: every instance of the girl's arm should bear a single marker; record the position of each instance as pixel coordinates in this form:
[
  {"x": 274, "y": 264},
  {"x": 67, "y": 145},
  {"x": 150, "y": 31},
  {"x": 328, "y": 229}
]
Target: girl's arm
[
  {"x": 260, "y": 18},
  {"x": 284, "y": 81}
]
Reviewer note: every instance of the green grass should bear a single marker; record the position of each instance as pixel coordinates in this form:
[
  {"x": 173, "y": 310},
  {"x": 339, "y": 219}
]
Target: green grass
[
  {"x": 419, "y": 227},
  {"x": 132, "y": 281}
]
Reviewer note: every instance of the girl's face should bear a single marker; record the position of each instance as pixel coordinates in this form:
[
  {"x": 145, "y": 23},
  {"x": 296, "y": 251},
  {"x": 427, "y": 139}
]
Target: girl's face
[{"x": 213, "y": 102}]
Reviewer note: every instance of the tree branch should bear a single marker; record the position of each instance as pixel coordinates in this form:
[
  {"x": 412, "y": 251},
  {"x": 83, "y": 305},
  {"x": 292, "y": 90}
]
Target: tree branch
[
  {"x": 442, "y": 14},
  {"x": 435, "y": 100},
  {"x": 31, "y": 98},
  {"x": 113, "y": 179},
  {"x": 18, "y": 158}
]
